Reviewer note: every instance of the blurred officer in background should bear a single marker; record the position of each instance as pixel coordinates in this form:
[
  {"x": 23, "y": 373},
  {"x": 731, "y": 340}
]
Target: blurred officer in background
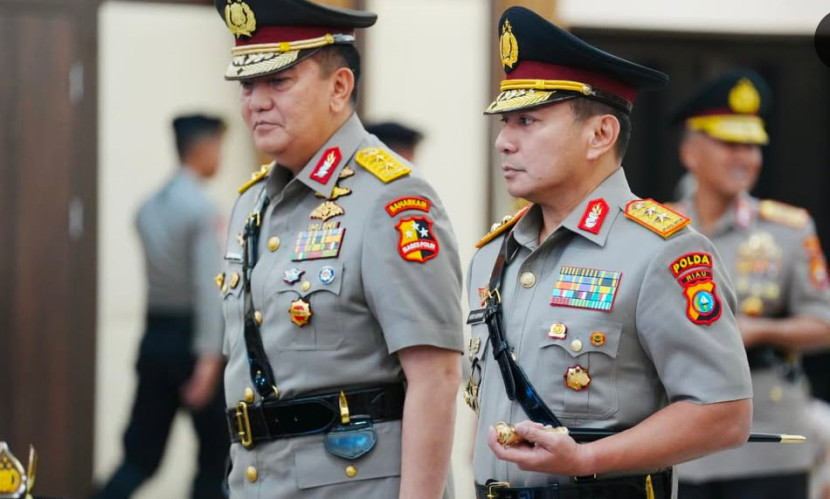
[
  {"x": 602, "y": 310},
  {"x": 773, "y": 256},
  {"x": 400, "y": 138},
  {"x": 180, "y": 359},
  {"x": 342, "y": 285}
]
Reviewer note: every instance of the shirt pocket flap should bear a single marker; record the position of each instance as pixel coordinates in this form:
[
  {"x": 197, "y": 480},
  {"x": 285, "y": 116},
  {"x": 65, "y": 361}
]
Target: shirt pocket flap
[
  {"x": 581, "y": 336},
  {"x": 316, "y": 467}
]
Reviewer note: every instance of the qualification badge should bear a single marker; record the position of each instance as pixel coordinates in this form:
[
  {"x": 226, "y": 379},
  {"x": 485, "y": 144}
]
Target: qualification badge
[{"x": 577, "y": 378}]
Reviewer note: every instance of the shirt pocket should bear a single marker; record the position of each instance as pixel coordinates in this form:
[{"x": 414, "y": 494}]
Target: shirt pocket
[
  {"x": 317, "y": 468},
  {"x": 577, "y": 368},
  {"x": 319, "y": 289},
  {"x": 233, "y": 304}
]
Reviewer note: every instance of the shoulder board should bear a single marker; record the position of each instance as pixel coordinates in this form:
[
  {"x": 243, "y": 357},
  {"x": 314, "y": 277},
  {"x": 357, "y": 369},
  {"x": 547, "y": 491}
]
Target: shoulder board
[
  {"x": 256, "y": 177},
  {"x": 381, "y": 164},
  {"x": 786, "y": 214},
  {"x": 656, "y": 217},
  {"x": 499, "y": 227}
]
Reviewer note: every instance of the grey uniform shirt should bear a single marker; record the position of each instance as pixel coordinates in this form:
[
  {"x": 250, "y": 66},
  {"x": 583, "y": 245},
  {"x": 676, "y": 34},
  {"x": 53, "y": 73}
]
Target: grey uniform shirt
[
  {"x": 384, "y": 277},
  {"x": 772, "y": 254},
  {"x": 179, "y": 229},
  {"x": 601, "y": 324}
]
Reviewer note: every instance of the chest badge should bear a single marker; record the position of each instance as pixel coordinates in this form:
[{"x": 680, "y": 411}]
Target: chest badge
[
  {"x": 291, "y": 276},
  {"x": 417, "y": 241},
  {"x": 326, "y": 210},
  {"x": 327, "y": 275},
  {"x": 585, "y": 288},
  {"x": 320, "y": 241},
  {"x": 558, "y": 331},
  {"x": 577, "y": 378},
  {"x": 300, "y": 312},
  {"x": 594, "y": 216}
]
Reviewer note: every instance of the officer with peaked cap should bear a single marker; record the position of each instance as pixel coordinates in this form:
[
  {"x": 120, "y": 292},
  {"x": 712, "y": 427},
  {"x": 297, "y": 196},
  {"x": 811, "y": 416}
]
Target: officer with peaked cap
[
  {"x": 773, "y": 255},
  {"x": 341, "y": 280},
  {"x": 592, "y": 308}
]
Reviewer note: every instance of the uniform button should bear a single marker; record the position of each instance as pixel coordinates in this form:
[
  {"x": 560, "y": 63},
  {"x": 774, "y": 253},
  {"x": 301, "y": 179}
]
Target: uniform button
[
  {"x": 274, "y": 244},
  {"x": 258, "y": 316},
  {"x": 527, "y": 280},
  {"x": 576, "y": 346},
  {"x": 251, "y": 474},
  {"x": 234, "y": 280},
  {"x": 249, "y": 395},
  {"x": 305, "y": 286},
  {"x": 351, "y": 471}
]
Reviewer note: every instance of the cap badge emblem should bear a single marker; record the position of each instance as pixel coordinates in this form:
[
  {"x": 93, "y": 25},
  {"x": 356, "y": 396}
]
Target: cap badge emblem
[
  {"x": 744, "y": 97},
  {"x": 240, "y": 18},
  {"x": 509, "y": 46}
]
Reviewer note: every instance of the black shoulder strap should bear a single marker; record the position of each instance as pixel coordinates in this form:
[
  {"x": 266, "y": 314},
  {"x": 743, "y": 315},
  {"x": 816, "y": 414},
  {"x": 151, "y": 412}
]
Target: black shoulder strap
[
  {"x": 262, "y": 375},
  {"x": 516, "y": 382}
]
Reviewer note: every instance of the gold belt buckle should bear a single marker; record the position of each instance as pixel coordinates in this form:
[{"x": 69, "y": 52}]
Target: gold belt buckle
[
  {"x": 244, "y": 425},
  {"x": 491, "y": 488}
]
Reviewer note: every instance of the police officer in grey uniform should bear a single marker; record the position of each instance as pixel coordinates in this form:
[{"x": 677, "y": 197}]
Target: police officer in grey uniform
[
  {"x": 341, "y": 281},
  {"x": 610, "y": 313},
  {"x": 771, "y": 251},
  {"x": 180, "y": 361}
]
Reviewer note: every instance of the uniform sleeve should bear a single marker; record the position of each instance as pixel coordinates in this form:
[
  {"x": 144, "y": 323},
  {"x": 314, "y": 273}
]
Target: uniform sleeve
[
  {"x": 410, "y": 268},
  {"x": 689, "y": 329},
  {"x": 206, "y": 258},
  {"x": 809, "y": 293}
]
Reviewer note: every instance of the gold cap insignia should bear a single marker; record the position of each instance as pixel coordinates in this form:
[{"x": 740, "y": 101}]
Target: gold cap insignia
[
  {"x": 14, "y": 480},
  {"x": 744, "y": 97},
  {"x": 240, "y": 18},
  {"x": 509, "y": 45}
]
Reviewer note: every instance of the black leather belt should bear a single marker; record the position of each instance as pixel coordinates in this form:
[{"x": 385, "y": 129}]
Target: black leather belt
[
  {"x": 274, "y": 419},
  {"x": 627, "y": 487}
]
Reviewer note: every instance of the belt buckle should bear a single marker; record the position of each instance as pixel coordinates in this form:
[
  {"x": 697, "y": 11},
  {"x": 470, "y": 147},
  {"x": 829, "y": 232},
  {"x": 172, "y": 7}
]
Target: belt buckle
[
  {"x": 492, "y": 486},
  {"x": 244, "y": 424}
]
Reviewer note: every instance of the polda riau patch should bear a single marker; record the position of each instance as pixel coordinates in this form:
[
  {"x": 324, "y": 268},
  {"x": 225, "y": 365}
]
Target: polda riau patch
[
  {"x": 417, "y": 242},
  {"x": 693, "y": 272}
]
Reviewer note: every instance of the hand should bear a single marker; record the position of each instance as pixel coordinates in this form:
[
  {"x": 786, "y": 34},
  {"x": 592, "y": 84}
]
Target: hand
[
  {"x": 544, "y": 451},
  {"x": 750, "y": 329},
  {"x": 199, "y": 390}
]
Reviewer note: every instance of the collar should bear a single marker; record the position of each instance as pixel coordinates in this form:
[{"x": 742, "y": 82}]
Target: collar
[
  {"x": 592, "y": 218},
  {"x": 741, "y": 214},
  {"x": 320, "y": 174}
]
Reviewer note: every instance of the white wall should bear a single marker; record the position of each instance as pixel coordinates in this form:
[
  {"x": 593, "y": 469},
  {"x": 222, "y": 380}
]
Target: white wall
[
  {"x": 156, "y": 61},
  {"x": 731, "y": 16}
]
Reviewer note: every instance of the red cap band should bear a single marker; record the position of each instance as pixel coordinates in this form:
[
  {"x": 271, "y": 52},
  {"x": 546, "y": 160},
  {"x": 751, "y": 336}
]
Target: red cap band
[
  {"x": 535, "y": 70},
  {"x": 277, "y": 34}
]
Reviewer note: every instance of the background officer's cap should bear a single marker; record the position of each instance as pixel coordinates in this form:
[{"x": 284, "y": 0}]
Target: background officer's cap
[
  {"x": 272, "y": 35},
  {"x": 394, "y": 133},
  {"x": 545, "y": 64},
  {"x": 729, "y": 108}
]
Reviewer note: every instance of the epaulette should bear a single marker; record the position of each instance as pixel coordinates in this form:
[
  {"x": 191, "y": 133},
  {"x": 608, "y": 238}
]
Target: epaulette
[
  {"x": 786, "y": 214},
  {"x": 656, "y": 217},
  {"x": 381, "y": 164},
  {"x": 256, "y": 177},
  {"x": 500, "y": 227}
]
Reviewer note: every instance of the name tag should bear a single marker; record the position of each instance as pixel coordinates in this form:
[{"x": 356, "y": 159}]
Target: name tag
[{"x": 476, "y": 316}]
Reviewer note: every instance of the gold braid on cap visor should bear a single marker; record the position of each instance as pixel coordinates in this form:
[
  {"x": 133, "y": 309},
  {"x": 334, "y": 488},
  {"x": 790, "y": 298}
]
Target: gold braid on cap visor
[
  {"x": 522, "y": 93},
  {"x": 731, "y": 128},
  {"x": 263, "y": 58}
]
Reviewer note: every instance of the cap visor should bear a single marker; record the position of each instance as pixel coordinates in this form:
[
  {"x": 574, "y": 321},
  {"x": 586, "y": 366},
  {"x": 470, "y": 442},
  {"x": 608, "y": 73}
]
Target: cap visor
[
  {"x": 731, "y": 128},
  {"x": 258, "y": 64}
]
